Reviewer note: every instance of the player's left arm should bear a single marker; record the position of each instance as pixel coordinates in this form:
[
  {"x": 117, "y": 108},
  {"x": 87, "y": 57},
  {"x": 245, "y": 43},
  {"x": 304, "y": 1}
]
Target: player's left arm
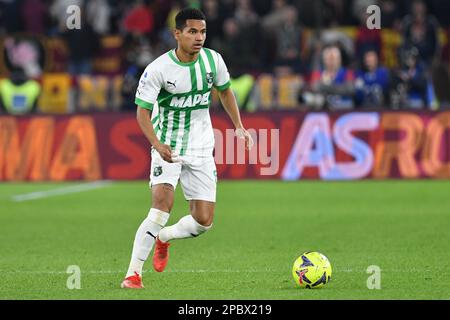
[{"x": 226, "y": 96}]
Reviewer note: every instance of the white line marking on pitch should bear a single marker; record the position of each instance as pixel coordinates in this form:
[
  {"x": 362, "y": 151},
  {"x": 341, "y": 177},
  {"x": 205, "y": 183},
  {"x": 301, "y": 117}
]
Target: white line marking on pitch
[
  {"x": 61, "y": 191},
  {"x": 145, "y": 271},
  {"x": 199, "y": 271}
]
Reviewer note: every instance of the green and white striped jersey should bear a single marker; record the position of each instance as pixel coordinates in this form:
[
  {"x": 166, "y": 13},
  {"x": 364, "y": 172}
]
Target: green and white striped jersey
[{"x": 179, "y": 95}]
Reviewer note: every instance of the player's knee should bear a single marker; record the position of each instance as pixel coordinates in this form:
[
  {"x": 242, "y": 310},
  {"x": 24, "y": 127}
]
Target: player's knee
[
  {"x": 203, "y": 214},
  {"x": 162, "y": 198},
  {"x": 204, "y": 223}
]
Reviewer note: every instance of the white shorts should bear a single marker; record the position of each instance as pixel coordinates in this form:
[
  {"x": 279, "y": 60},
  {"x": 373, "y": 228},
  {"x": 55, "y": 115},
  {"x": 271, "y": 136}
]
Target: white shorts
[{"x": 198, "y": 175}]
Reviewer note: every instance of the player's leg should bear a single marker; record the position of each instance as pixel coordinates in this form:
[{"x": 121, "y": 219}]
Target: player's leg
[
  {"x": 198, "y": 180},
  {"x": 192, "y": 225},
  {"x": 162, "y": 203},
  {"x": 189, "y": 226},
  {"x": 163, "y": 182}
]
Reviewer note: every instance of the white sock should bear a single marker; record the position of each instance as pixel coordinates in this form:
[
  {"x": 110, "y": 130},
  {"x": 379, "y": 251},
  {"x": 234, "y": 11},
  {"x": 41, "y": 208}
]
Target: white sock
[
  {"x": 145, "y": 239},
  {"x": 187, "y": 227}
]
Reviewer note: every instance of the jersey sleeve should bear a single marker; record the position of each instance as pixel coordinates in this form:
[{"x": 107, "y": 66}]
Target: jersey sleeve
[
  {"x": 149, "y": 87},
  {"x": 222, "y": 81}
]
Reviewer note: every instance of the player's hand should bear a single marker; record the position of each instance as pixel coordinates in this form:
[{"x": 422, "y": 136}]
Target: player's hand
[
  {"x": 241, "y": 133},
  {"x": 176, "y": 158},
  {"x": 165, "y": 151}
]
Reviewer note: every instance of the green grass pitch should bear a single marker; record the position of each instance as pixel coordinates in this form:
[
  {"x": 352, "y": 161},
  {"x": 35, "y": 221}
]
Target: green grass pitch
[{"x": 260, "y": 228}]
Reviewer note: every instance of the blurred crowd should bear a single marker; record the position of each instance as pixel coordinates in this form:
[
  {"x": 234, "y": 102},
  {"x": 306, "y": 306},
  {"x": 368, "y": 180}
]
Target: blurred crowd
[{"x": 280, "y": 37}]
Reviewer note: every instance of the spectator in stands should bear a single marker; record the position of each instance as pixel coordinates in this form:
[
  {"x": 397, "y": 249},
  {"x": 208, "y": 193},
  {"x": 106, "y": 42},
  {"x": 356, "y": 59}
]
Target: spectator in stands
[
  {"x": 227, "y": 7},
  {"x": 332, "y": 87},
  {"x": 161, "y": 9},
  {"x": 372, "y": 82},
  {"x": 98, "y": 14},
  {"x": 117, "y": 9},
  {"x": 232, "y": 47},
  {"x": 309, "y": 12},
  {"x": 331, "y": 37},
  {"x": 34, "y": 14},
  {"x": 215, "y": 21},
  {"x": 421, "y": 31},
  {"x": 24, "y": 54},
  {"x": 410, "y": 81},
  {"x": 83, "y": 44},
  {"x": 139, "y": 20},
  {"x": 166, "y": 35},
  {"x": 335, "y": 13},
  {"x": 270, "y": 24},
  {"x": 391, "y": 15},
  {"x": 366, "y": 38},
  {"x": 10, "y": 17},
  {"x": 19, "y": 95},
  {"x": 138, "y": 57},
  {"x": 441, "y": 73},
  {"x": 271, "y": 21},
  {"x": 289, "y": 35},
  {"x": 241, "y": 40},
  {"x": 254, "y": 36},
  {"x": 246, "y": 17}
]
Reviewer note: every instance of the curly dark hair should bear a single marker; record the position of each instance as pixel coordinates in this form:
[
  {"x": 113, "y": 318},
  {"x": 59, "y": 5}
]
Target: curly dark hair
[{"x": 186, "y": 14}]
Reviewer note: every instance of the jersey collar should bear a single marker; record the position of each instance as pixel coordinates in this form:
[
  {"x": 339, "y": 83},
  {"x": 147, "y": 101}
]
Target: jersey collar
[{"x": 173, "y": 56}]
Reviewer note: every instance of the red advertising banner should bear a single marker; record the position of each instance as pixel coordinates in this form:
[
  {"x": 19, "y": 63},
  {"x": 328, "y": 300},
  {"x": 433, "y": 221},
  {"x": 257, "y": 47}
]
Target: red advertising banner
[{"x": 288, "y": 146}]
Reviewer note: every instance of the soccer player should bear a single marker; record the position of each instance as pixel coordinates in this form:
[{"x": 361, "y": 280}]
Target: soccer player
[{"x": 176, "y": 90}]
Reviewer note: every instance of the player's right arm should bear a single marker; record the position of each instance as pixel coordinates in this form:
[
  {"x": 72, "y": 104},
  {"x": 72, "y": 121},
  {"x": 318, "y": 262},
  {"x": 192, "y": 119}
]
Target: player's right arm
[
  {"x": 143, "y": 118},
  {"x": 147, "y": 93}
]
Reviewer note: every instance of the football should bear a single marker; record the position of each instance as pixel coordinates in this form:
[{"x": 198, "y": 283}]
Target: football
[{"x": 311, "y": 270}]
